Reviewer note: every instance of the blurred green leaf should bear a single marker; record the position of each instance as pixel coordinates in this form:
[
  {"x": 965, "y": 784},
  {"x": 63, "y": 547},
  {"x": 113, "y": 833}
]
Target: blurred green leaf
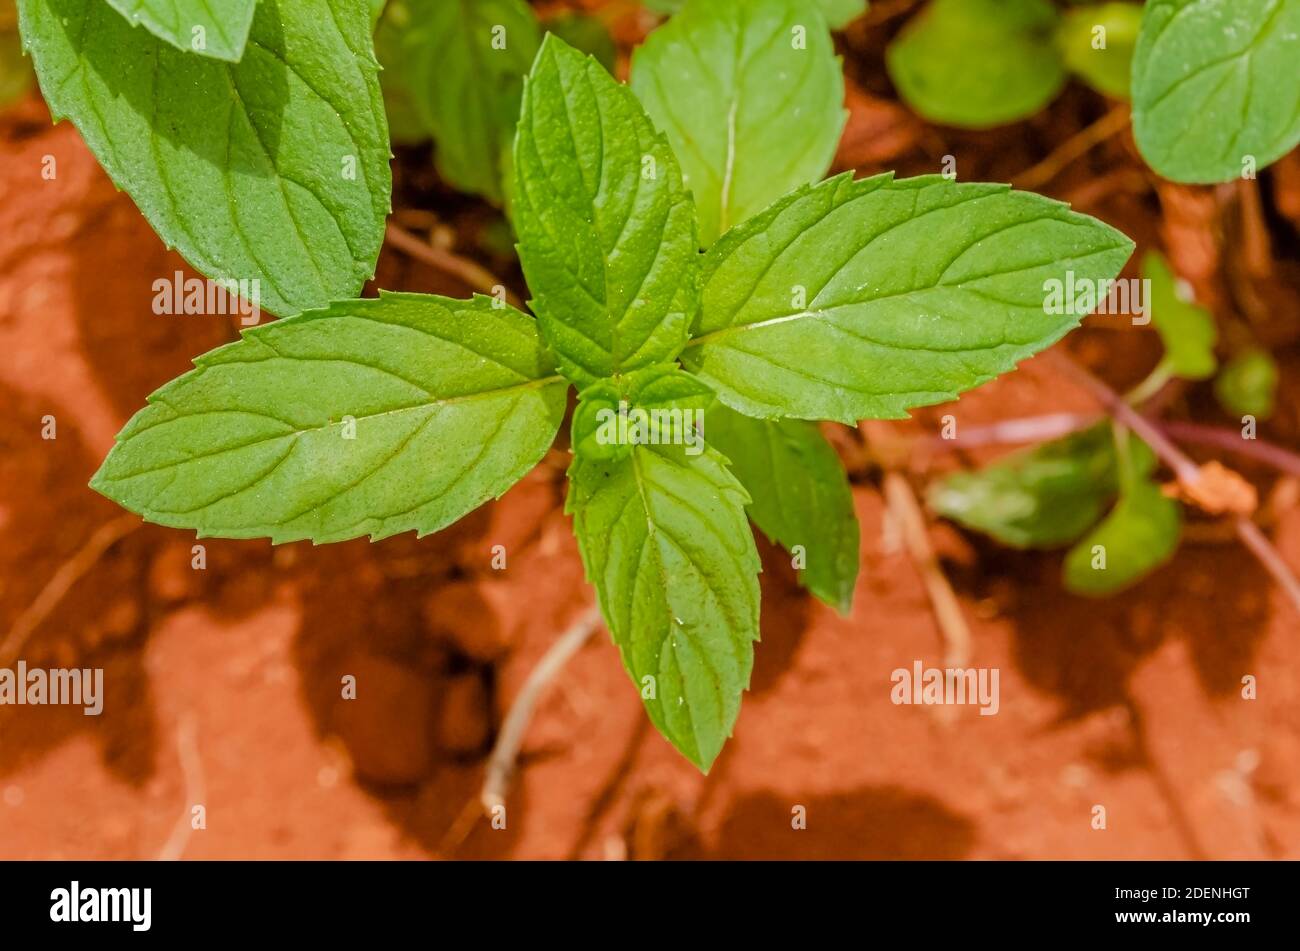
[
  {"x": 1248, "y": 384},
  {"x": 840, "y": 13},
  {"x": 1139, "y": 535},
  {"x": 404, "y": 125},
  {"x": 1043, "y": 497},
  {"x": 978, "y": 63},
  {"x": 1187, "y": 331},
  {"x": 1097, "y": 42},
  {"x": 464, "y": 65}
]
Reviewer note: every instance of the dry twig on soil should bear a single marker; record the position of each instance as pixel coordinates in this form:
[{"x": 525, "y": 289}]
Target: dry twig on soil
[
  {"x": 61, "y": 582},
  {"x": 469, "y": 273}
]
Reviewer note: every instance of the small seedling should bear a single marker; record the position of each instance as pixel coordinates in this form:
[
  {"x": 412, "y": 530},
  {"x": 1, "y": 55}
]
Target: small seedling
[{"x": 1057, "y": 493}]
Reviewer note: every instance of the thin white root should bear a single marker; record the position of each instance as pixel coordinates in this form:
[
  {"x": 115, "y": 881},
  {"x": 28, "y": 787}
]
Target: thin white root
[
  {"x": 909, "y": 518},
  {"x": 187, "y": 749},
  {"x": 501, "y": 764}
]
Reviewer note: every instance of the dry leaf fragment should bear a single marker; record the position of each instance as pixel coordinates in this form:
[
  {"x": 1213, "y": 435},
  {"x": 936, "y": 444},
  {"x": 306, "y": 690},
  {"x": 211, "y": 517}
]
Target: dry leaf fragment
[{"x": 1218, "y": 491}]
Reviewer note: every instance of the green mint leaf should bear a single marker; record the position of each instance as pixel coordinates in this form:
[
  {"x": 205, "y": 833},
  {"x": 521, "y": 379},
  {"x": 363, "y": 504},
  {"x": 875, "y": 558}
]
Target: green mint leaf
[
  {"x": 376, "y": 11},
  {"x": 838, "y": 13},
  {"x": 801, "y": 495},
  {"x": 587, "y": 35},
  {"x": 1139, "y": 535},
  {"x": 664, "y": 540},
  {"x": 274, "y": 169},
  {"x": 655, "y": 405},
  {"x": 714, "y": 76},
  {"x": 1248, "y": 384},
  {"x": 978, "y": 63},
  {"x": 194, "y": 25},
  {"x": 1216, "y": 91},
  {"x": 606, "y": 229},
  {"x": 1097, "y": 42},
  {"x": 852, "y": 300},
  {"x": 464, "y": 62},
  {"x": 1043, "y": 497},
  {"x": 1188, "y": 332},
  {"x": 369, "y": 417}
]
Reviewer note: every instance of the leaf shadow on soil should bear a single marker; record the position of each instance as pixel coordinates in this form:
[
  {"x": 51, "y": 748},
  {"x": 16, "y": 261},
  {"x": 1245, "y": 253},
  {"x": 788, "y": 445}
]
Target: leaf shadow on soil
[
  {"x": 1084, "y": 650},
  {"x": 873, "y": 822},
  {"x": 362, "y": 617},
  {"x": 105, "y": 619},
  {"x": 47, "y": 515},
  {"x": 786, "y": 615}
]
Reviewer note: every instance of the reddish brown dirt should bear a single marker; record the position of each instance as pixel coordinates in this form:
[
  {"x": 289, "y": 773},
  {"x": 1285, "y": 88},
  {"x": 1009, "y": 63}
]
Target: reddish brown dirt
[{"x": 224, "y": 684}]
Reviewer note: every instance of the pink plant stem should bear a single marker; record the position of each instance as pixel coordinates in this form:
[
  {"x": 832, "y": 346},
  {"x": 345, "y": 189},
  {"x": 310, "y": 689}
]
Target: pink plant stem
[
  {"x": 1229, "y": 439},
  {"x": 1026, "y": 429},
  {"x": 1034, "y": 429}
]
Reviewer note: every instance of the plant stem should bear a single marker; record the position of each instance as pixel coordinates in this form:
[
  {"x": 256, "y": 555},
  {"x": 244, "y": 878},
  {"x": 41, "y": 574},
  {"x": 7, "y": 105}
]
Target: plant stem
[
  {"x": 1228, "y": 439},
  {"x": 1026, "y": 429},
  {"x": 1152, "y": 385},
  {"x": 1072, "y": 148},
  {"x": 1035, "y": 429},
  {"x": 1187, "y": 471},
  {"x": 501, "y": 764}
]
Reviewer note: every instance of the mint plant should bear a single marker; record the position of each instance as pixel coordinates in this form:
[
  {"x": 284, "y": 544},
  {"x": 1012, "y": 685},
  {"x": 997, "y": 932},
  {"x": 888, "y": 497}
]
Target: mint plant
[{"x": 831, "y": 300}]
